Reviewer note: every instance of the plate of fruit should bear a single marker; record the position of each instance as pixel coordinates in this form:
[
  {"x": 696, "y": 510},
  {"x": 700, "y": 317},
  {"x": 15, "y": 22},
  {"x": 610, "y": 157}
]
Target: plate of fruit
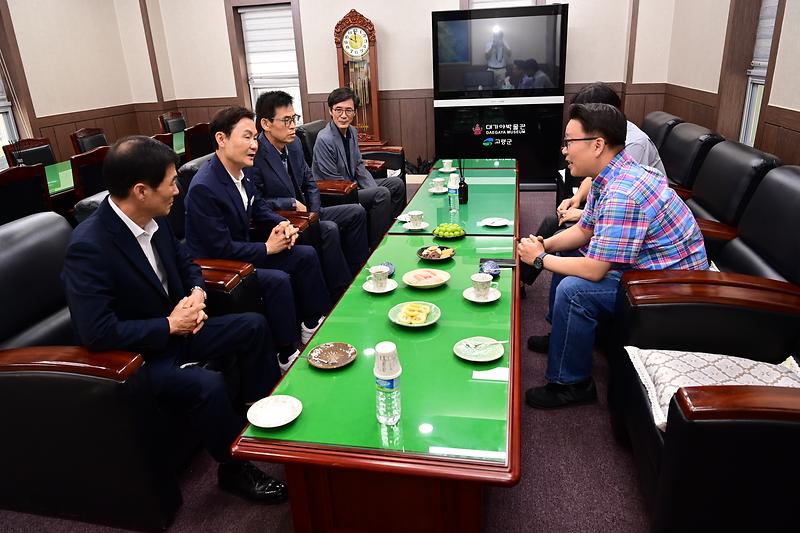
[
  {"x": 435, "y": 253},
  {"x": 448, "y": 230}
]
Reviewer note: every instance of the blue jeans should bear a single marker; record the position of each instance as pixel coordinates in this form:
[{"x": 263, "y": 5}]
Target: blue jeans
[{"x": 575, "y": 306}]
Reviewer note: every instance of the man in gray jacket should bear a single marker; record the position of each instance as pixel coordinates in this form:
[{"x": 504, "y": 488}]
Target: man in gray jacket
[{"x": 337, "y": 157}]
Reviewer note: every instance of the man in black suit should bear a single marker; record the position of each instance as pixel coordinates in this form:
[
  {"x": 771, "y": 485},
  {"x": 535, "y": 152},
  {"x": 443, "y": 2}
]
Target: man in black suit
[
  {"x": 222, "y": 204},
  {"x": 130, "y": 285},
  {"x": 281, "y": 173}
]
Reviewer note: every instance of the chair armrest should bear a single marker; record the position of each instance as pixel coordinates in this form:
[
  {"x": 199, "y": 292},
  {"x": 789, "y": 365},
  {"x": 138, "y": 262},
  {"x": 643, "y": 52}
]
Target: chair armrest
[
  {"x": 646, "y": 287},
  {"x": 704, "y": 311},
  {"x": 301, "y": 220},
  {"x": 115, "y": 365},
  {"x": 223, "y": 275},
  {"x": 681, "y": 191},
  {"x": 712, "y": 229},
  {"x": 336, "y": 186},
  {"x": 744, "y": 402},
  {"x": 376, "y": 167}
]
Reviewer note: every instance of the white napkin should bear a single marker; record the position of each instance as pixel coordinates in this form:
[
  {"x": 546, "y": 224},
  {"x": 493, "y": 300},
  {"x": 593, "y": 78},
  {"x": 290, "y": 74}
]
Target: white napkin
[{"x": 495, "y": 374}]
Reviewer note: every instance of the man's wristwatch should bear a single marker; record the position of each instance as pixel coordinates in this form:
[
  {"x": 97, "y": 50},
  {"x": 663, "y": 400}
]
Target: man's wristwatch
[
  {"x": 538, "y": 263},
  {"x": 201, "y": 289}
]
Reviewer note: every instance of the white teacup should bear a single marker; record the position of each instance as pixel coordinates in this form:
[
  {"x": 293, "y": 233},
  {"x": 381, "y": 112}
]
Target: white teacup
[
  {"x": 378, "y": 276},
  {"x": 481, "y": 283},
  {"x": 415, "y": 218},
  {"x": 438, "y": 183},
  {"x": 447, "y": 164}
]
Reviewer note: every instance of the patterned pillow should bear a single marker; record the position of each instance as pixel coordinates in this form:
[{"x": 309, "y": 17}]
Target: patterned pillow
[{"x": 662, "y": 372}]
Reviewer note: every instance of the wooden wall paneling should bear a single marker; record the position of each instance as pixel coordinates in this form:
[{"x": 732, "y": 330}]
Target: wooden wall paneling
[
  {"x": 787, "y": 147},
  {"x": 740, "y": 37},
  {"x": 391, "y": 130},
  {"x": 316, "y": 111},
  {"x": 195, "y": 115},
  {"x": 125, "y": 125},
  {"x": 769, "y": 138},
  {"x": 634, "y": 107},
  {"x": 63, "y": 146},
  {"x": 108, "y": 126},
  {"x": 413, "y": 125}
]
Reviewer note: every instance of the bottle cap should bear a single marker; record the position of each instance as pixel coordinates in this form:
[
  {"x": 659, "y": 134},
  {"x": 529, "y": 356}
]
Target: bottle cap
[{"x": 387, "y": 364}]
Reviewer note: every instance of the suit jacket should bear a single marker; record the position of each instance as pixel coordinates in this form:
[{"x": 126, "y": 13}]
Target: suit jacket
[
  {"x": 115, "y": 298},
  {"x": 330, "y": 159},
  {"x": 217, "y": 224},
  {"x": 276, "y": 184}
]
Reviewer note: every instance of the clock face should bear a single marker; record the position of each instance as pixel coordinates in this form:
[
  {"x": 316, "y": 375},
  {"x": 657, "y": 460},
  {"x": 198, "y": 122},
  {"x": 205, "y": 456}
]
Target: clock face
[{"x": 355, "y": 42}]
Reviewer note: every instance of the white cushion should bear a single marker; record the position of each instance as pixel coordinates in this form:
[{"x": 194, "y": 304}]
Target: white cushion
[{"x": 663, "y": 372}]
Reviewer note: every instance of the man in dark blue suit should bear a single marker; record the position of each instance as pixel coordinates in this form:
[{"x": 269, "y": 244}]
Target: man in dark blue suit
[
  {"x": 221, "y": 206},
  {"x": 283, "y": 177},
  {"x": 131, "y": 286}
]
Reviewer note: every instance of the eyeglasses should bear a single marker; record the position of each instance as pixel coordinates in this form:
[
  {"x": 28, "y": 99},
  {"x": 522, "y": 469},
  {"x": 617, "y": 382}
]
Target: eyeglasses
[
  {"x": 287, "y": 121},
  {"x": 565, "y": 142},
  {"x": 349, "y": 111}
]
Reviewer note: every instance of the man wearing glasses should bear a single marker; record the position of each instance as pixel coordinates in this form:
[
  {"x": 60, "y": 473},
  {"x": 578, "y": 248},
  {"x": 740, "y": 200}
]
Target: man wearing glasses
[
  {"x": 222, "y": 204},
  {"x": 281, "y": 174},
  {"x": 337, "y": 157},
  {"x": 632, "y": 221}
]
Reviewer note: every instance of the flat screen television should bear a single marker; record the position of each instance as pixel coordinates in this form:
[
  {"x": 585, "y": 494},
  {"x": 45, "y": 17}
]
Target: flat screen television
[{"x": 499, "y": 53}]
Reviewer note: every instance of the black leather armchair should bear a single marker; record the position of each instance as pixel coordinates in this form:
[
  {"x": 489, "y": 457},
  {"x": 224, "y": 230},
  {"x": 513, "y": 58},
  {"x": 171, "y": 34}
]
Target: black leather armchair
[
  {"x": 764, "y": 243},
  {"x": 727, "y": 458},
  {"x": 684, "y": 150},
  {"x": 657, "y": 125},
  {"x": 36, "y": 150},
  {"x": 82, "y": 436},
  {"x": 86, "y": 139},
  {"x": 23, "y": 191}
]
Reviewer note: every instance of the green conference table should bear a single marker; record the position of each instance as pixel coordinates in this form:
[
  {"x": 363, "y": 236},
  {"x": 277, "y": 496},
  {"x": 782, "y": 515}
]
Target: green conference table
[
  {"x": 459, "y": 427},
  {"x": 492, "y": 193},
  {"x": 481, "y": 163},
  {"x": 59, "y": 175}
]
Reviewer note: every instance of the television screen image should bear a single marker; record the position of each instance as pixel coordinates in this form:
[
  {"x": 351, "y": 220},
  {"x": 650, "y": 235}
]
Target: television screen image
[{"x": 499, "y": 52}]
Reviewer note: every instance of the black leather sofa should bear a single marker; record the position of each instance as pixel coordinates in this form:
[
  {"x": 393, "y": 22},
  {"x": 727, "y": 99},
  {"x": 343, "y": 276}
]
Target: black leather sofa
[{"x": 82, "y": 436}]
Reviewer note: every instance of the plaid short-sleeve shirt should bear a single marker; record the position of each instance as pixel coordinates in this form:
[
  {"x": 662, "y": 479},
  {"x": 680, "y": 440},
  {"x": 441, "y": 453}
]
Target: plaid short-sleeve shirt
[{"x": 638, "y": 222}]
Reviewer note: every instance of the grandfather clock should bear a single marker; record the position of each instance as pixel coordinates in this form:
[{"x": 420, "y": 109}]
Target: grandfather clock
[{"x": 354, "y": 37}]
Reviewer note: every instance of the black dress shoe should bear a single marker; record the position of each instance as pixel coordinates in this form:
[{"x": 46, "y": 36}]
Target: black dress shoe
[
  {"x": 247, "y": 481},
  {"x": 539, "y": 343},
  {"x": 555, "y": 395}
]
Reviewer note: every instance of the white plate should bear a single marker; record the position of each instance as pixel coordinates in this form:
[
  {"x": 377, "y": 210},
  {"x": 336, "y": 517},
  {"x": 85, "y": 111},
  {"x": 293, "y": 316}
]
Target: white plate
[
  {"x": 426, "y": 278},
  {"x": 493, "y": 295},
  {"x": 274, "y": 411},
  {"x": 403, "y": 218},
  {"x": 451, "y": 169},
  {"x": 432, "y": 317},
  {"x": 390, "y": 286},
  {"x": 439, "y": 190},
  {"x": 489, "y": 353},
  {"x": 495, "y": 222},
  {"x": 421, "y": 227}
]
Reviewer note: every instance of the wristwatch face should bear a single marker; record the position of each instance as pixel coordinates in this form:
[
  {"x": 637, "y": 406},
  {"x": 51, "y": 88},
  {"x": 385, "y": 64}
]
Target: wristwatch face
[
  {"x": 355, "y": 42},
  {"x": 538, "y": 263}
]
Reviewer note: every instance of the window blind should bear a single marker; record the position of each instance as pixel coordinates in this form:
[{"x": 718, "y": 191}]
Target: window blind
[
  {"x": 766, "y": 26},
  {"x": 269, "y": 46},
  {"x": 483, "y": 4}
]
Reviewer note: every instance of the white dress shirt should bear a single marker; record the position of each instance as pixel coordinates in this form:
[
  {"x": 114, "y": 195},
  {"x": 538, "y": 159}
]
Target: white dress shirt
[
  {"x": 240, "y": 187},
  {"x": 144, "y": 237}
]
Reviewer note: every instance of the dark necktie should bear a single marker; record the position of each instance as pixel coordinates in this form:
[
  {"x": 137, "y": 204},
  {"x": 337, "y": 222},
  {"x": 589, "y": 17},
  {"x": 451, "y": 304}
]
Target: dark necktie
[{"x": 298, "y": 194}]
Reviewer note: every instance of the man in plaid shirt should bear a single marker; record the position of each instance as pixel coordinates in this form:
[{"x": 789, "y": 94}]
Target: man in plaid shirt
[{"x": 632, "y": 220}]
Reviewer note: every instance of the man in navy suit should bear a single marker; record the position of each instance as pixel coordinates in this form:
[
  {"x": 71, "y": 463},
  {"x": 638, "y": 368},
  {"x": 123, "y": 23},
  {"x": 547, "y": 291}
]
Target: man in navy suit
[
  {"x": 130, "y": 285},
  {"x": 222, "y": 204},
  {"x": 281, "y": 174},
  {"x": 337, "y": 157}
]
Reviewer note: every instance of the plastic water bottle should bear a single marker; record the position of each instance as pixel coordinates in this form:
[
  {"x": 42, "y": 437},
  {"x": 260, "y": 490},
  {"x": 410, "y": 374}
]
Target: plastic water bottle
[
  {"x": 452, "y": 193},
  {"x": 387, "y": 383}
]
